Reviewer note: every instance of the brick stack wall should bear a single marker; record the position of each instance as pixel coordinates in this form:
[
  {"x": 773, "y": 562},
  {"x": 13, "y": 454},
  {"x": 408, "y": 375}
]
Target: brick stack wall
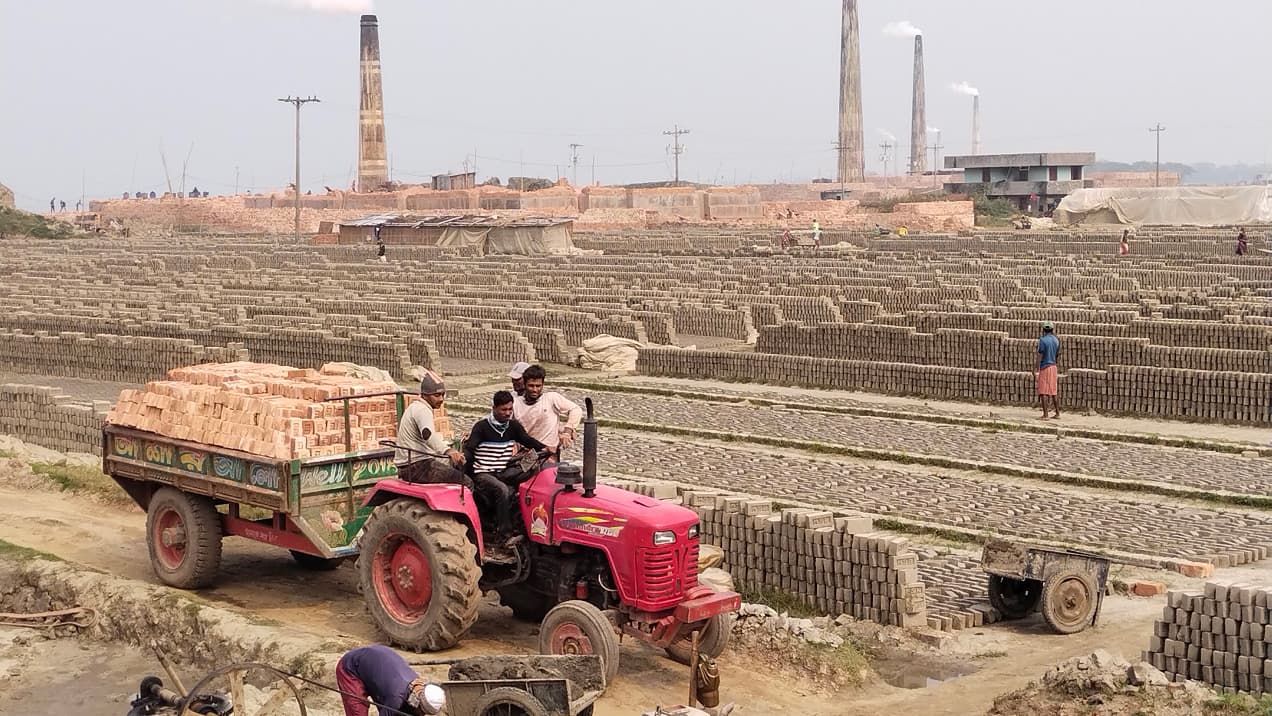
[
  {"x": 1220, "y": 635},
  {"x": 40, "y": 415}
]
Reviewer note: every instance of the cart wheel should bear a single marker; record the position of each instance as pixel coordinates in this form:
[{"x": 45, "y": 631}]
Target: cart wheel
[
  {"x": 278, "y": 694},
  {"x": 578, "y": 627},
  {"x": 1014, "y": 598},
  {"x": 314, "y": 563},
  {"x": 508, "y": 701},
  {"x": 1069, "y": 601},
  {"x": 713, "y": 637},
  {"x": 183, "y": 532},
  {"x": 419, "y": 574}
]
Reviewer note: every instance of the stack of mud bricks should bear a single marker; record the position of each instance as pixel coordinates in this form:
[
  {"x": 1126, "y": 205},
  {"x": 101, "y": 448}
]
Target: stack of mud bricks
[
  {"x": 39, "y": 415},
  {"x": 1221, "y": 635},
  {"x": 834, "y": 564},
  {"x": 100, "y": 357}
]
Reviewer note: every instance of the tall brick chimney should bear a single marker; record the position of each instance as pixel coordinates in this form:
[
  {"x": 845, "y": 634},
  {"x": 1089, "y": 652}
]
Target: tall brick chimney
[
  {"x": 852, "y": 157},
  {"x": 918, "y": 114},
  {"x": 976, "y": 147},
  {"x": 373, "y": 164}
]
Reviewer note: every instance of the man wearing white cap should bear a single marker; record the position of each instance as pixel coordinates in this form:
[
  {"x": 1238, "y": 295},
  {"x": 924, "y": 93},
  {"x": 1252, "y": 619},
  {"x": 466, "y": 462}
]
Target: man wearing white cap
[{"x": 518, "y": 380}]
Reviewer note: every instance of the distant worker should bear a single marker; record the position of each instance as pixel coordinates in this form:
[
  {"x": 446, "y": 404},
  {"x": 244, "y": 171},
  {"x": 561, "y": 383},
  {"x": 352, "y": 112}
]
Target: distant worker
[
  {"x": 53, "y": 204},
  {"x": 379, "y": 250},
  {"x": 1048, "y": 374},
  {"x": 787, "y": 239},
  {"x": 816, "y": 233},
  {"x": 1125, "y": 247},
  {"x": 902, "y": 231},
  {"x": 381, "y": 675},
  {"x": 541, "y": 412},
  {"x": 517, "y": 374},
  {"x": 195, "y": 193},
  {"x": 1243, "y": 245},
  {"x": 487, "y": 451},
  {"x": 79, "y": 205},
  {"x": 423, "y": 455},
  {"x": 62, "y": 203},
  {"x": 376, "y": 232}
]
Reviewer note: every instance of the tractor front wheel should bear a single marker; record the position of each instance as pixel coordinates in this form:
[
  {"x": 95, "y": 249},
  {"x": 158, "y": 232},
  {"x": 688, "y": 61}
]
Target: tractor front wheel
[
  {"x": 418, "y": 571},
  {"x": 713, "y": 637},
  {"x": 577, "y": 627},
  {"x": 183, "y": 532}
]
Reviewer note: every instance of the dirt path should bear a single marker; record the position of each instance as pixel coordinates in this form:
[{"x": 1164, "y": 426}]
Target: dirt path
[{"x": 267, "y": 583}]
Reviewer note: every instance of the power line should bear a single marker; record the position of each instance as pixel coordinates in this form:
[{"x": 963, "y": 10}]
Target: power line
[
  {"x": 574, "y": 163},
  {"x": 299, "y": 102},
  {"x": 1157, "y": 174},
  {"x": 675, "y": 132}
]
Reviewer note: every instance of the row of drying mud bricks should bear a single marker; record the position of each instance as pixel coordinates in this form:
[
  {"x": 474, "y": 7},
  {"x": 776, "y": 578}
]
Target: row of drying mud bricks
[
  {"x": 836, "y": 564},
  {"x": 1221, "y": 635},
  {"x": 40, "y": 415},
  {"x": 103, "y": 357}
]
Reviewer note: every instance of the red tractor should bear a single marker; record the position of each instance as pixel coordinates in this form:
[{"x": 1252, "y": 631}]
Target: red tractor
[{"x": 596, "y": 561}]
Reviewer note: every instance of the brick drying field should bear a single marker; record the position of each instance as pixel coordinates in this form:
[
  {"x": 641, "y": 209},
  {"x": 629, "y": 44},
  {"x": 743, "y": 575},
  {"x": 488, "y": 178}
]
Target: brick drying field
[{"x": 1177, "y": 330}]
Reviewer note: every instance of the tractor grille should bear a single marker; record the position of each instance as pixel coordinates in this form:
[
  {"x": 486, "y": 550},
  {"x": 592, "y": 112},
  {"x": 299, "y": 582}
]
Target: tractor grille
[
  {"x": 662, "y": 574},
  {"x": 669, "y": 570}
]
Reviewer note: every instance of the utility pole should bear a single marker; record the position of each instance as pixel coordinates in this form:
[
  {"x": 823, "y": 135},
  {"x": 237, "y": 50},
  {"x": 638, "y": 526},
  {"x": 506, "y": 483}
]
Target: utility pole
[
  {"x": 936, "y": 159},
  {"x": 840, "y": 147},
  {"x": 885, "y": 152},
  {"x": 236, "y": 179},
  {"x": 1157, "y": 175},
  {"x": 675, "y": 132},
  {"x": 299, "y": 102},
  {"x": 574, "y": 163}
]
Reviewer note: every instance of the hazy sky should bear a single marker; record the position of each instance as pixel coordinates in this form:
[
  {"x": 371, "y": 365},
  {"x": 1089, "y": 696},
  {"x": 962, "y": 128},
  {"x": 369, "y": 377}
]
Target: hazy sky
[{"x": 92, "y": 89}]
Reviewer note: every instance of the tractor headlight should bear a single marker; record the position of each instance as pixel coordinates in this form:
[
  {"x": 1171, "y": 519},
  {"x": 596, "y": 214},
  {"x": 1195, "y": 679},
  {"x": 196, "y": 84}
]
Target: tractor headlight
[
  {"x": 664, "y": 537},
  {"x": 693, "y": 531}
]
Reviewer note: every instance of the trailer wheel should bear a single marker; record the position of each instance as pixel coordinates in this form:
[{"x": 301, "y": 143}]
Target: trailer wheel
[
  {"x": 419, "y": 574},
  {"x": 1069, "y": 601},
  {"x": 713, "y": 637},
  {"x": 1014, "y": 598},
  {"x": 578, "y": 627},
  {"x": 183, "y": 533},
  {"x": 508, "y": 701},
  {"x": 314, "y": 563}
]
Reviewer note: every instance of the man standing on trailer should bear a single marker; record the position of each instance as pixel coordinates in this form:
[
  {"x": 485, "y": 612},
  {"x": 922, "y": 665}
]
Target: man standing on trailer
[{"x": 541, "y": 412}]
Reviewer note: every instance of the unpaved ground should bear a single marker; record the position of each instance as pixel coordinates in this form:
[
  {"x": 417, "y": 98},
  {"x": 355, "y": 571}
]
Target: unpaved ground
[
  {"x": 50, "y": 676},
  {"x": 267, "y": 583}
]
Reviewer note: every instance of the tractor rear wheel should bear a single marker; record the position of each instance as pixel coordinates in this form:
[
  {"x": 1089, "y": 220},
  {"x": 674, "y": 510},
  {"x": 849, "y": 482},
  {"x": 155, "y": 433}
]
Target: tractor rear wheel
[
  {"x": 508, "y": 701},
  {"x": 1069, "y": 601},
  {"x": 418, "y": 571},
  {"x": 713, "y": 637},
  {"x": 577, "y": 627},
  {"x": 183, "y": 533},
  {"x": 1014, "y": 598}
]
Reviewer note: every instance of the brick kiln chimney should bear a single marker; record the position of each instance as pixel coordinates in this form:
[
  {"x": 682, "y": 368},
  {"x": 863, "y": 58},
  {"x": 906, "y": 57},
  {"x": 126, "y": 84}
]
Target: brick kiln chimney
[
  {"x": 373, "y": 165},
  {"x": 976, "y": 148},
  {"x": 852, "y": 158},
  {"x": 918, "y": 114}
]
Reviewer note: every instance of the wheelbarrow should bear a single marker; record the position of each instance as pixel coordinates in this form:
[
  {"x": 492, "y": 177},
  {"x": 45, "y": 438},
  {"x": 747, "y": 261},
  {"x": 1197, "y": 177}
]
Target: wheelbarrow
[
  {"x": 527, "y": 685},
  {"x": 1067, "y": 586}
]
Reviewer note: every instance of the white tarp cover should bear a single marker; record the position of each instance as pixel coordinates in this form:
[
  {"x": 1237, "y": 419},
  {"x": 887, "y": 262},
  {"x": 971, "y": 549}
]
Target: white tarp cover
[
  {"x": 606, "y": 352},
  {"x": 1168, "y": 206}
]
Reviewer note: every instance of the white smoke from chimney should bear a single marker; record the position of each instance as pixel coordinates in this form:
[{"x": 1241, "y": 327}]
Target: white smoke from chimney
[
  {"x": 888, "y": 135},
  {"x": 933, "y": 129},
  {"x": 334, "y": 6},
  {"x": 901, "y": 29},
  {"x": 964, "y": 88}
]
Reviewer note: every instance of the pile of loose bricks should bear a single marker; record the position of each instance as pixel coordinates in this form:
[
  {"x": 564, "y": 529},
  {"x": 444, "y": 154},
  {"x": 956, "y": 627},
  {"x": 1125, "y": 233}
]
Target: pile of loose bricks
[{"x": 1220, "y": 635}]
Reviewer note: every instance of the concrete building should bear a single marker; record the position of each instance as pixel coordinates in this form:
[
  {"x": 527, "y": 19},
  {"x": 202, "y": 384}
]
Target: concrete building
[{"x": 1034, "y": 182}]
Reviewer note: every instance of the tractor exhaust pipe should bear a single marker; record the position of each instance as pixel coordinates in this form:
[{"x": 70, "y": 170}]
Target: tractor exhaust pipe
[{"x": 589, "y": 451}]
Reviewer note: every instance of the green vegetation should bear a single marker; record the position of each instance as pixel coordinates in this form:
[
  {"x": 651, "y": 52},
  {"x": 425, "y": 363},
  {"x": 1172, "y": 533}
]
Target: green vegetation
[
  {"x": 82, "y": 480},
  {"x": 848, "y": 659},
  {"x": 993, "y": 212},
  {"x": 8, "y": 550},
  {"x": 15, "y": 222},
  {"x": 779, "y": 601},
  {"x": 890, "y": 204},
  {"x": 1240, "y": 705}
]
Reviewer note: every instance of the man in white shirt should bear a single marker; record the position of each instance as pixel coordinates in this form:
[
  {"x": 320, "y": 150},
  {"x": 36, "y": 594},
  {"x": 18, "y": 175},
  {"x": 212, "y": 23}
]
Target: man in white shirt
[
  {"x": 540, "y": 413},
  {"x": 423, "y": 455}
]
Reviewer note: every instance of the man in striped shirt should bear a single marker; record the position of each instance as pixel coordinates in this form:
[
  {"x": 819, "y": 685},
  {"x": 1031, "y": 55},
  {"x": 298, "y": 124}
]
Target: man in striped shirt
[{"x": 488, "y": 450}]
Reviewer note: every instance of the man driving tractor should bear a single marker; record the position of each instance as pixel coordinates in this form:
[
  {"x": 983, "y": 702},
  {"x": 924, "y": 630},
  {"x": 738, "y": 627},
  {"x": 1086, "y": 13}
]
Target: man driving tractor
[{"x": 488, "y": 452}]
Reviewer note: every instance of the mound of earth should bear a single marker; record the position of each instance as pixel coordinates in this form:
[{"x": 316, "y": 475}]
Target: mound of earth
[{"x": 1106, "y": 685}]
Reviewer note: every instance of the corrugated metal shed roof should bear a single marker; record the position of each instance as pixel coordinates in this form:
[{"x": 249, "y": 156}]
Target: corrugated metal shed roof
[{"x": 461, "y": 220}]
